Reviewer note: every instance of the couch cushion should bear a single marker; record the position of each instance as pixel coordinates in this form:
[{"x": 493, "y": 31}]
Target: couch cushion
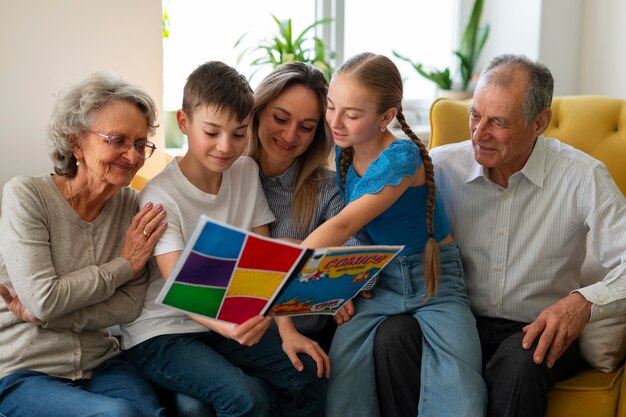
[
  {"x": 588, "y": 393},
  {"x": 603, "y": 343}
]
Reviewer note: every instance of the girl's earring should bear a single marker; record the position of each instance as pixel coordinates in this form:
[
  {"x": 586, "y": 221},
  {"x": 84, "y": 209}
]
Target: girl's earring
[
  {"x": 77, "y": 162},
  {"x": 383, "y": 128}
]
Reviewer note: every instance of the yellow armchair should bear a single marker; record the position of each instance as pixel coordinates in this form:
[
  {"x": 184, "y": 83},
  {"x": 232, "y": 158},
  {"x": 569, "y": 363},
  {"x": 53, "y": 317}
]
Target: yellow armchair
[
  {"x": 152, "y": 167},
  {"x": 597, "y": 126}
]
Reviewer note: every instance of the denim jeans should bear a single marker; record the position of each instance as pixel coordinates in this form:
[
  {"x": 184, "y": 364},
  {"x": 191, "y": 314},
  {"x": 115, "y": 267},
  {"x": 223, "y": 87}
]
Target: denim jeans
[
  {"x": 115, "y": 389},
  {"x": 451, "y": 381},
  {"x": 235, "y": 380}
]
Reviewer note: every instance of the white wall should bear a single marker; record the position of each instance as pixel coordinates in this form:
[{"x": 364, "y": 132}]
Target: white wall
[
  {"x": 581, "y": 41},
  {"x": 47, "y": 45},
  {"x": 603, "y": 48},
  {"x": 514, "y": 28},
  {"x": 559, "y": 46}
]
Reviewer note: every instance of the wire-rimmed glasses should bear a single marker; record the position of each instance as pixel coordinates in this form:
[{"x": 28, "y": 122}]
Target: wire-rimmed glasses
[{"x": 120, "y": 143}]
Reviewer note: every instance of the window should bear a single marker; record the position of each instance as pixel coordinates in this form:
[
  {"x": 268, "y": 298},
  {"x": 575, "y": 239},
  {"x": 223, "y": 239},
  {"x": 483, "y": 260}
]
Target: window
[
  {"x": 203, "y": 30},
  {"x": 419, "y": 29},
  {"x": 206, "y": 30}
]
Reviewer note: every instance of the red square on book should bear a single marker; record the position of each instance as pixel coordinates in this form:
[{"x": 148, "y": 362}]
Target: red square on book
[{"x": 268, "y": 255}]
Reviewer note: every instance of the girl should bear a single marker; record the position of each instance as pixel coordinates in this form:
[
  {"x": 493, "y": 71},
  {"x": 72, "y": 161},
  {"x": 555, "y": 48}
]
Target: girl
[{"x": 389, "y": 189}]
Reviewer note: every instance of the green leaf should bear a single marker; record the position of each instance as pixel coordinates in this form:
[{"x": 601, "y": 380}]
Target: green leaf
[
  {"x": 165, "y": 23},
  {"x": 281, "y": 47},
  {"x": 472, "y": 43},
  {"x": 441, "y": 79}
]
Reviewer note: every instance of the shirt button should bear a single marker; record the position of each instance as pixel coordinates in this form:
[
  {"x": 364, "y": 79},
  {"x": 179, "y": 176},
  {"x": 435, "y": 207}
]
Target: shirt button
[
  {"x": 78, "y": 374},
  {"x": 500, "y": 232},
  {"x": 90, "y": 248},
  {"x": 77, "y": 351},
  {"x": 498, "y": 267}
]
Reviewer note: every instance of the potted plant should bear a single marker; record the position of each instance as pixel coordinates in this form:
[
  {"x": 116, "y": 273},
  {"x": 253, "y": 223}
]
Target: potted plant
[
  {"x": 472, "y": 43},
  {"x": 285, "y": 47}
]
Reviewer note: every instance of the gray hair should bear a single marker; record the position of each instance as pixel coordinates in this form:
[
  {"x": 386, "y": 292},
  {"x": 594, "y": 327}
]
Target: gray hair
[
  {"x": 74, "y": 108},
  {"x": 540, "y": 81}
]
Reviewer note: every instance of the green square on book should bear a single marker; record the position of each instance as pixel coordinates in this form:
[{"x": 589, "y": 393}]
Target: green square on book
[{"x": 201, "y": 300}]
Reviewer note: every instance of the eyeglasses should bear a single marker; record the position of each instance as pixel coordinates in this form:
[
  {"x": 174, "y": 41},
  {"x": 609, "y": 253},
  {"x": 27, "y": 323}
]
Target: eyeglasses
[{"x": 120, "y": 143}]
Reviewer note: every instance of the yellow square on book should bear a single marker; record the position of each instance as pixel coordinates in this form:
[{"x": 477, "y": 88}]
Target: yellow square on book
[{"x": 254, "y": 283}]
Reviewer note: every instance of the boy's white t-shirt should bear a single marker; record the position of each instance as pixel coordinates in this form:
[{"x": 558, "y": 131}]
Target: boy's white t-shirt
[{"x": 240, "y": 202}]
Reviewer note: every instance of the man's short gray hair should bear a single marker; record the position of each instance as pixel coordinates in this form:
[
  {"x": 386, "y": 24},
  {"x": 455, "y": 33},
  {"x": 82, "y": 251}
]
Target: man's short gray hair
[{"x": 540, "y": 82}]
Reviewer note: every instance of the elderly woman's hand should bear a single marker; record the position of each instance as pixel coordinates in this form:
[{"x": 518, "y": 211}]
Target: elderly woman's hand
[
  {"x": 16, "y": 307},
  {"x": 143, "y": 233}
]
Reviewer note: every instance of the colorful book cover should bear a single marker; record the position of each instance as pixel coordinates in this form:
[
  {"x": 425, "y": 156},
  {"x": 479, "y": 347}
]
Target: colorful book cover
[{"x": 230, "y": 274}]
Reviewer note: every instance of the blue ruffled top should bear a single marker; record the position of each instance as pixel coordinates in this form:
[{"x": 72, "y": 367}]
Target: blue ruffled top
[{"x": 404, "y": 223}]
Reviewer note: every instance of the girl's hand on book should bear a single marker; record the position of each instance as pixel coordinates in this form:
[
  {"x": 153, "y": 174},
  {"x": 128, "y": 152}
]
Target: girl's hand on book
[
  {"x": 345, "y": 313},
  {"x": 368, "y": 295}
]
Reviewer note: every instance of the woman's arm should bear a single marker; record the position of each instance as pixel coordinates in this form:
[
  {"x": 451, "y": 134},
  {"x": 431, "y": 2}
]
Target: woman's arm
[
  {"x": 293, "y": 341},
  {"x": 27, "y": 246},
  {"x": 123, "y": 307}
]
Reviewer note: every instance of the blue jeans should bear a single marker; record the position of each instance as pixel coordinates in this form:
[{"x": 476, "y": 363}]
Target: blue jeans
[
  {"x": 451, "y": 381},
  {"x": 115, "y": 389},
  {"x": 235, "y": 380}
]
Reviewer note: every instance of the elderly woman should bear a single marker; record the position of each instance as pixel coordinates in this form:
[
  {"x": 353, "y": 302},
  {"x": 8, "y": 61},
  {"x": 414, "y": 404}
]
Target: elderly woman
[{"x": 73, "y": 253}]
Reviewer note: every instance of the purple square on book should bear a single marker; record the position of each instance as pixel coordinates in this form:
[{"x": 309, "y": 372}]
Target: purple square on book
[{"x": 204, "y": 270}]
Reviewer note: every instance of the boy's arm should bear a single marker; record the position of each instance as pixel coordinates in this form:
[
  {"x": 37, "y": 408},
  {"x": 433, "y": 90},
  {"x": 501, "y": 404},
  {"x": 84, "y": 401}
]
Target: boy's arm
[
  {"x": 247, "y": 333},
  {"x": 262, "y": 230}
]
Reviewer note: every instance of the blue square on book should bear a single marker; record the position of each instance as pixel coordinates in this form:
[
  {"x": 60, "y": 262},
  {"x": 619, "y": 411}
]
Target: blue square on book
[{"x": 219, "y": 241}]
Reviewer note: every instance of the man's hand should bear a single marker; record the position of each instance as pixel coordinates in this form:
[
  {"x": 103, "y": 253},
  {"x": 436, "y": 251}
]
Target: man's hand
[
  {"x": 16, "y": 307},
  {"x": 558, "y": 325}
]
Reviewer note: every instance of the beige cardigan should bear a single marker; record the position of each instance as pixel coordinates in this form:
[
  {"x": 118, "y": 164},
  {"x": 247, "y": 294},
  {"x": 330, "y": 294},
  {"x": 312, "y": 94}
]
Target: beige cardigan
[{"x": 68, "y": 273}]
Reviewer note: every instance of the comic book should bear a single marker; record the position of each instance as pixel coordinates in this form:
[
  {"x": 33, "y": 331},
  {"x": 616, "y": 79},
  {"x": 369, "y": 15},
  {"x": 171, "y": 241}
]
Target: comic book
[{"x": 230, "y": 274}]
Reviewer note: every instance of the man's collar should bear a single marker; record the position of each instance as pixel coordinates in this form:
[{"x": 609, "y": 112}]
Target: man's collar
[{"x": 534, "y": 169}]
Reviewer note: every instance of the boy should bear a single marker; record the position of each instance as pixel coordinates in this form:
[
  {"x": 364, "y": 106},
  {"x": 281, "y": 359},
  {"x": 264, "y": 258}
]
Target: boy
[{"x": 237, "y": 369}]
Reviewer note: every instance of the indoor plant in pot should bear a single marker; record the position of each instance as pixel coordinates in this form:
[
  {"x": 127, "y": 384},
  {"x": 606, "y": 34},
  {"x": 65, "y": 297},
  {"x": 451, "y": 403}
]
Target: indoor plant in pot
[{"x": 284, "y": 46}]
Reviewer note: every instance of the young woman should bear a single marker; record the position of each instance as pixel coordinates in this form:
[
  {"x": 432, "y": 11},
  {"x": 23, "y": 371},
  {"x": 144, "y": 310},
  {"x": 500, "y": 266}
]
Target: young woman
[{"x": 290, "y": 142}]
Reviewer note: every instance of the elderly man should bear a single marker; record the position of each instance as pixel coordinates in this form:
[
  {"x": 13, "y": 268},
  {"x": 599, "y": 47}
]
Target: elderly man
[{"x": 522, "y": 207}]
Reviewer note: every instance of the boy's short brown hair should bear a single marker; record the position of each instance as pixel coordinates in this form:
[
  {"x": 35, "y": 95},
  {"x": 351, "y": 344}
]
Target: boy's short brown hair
[{"x": 217, "y": 84}]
